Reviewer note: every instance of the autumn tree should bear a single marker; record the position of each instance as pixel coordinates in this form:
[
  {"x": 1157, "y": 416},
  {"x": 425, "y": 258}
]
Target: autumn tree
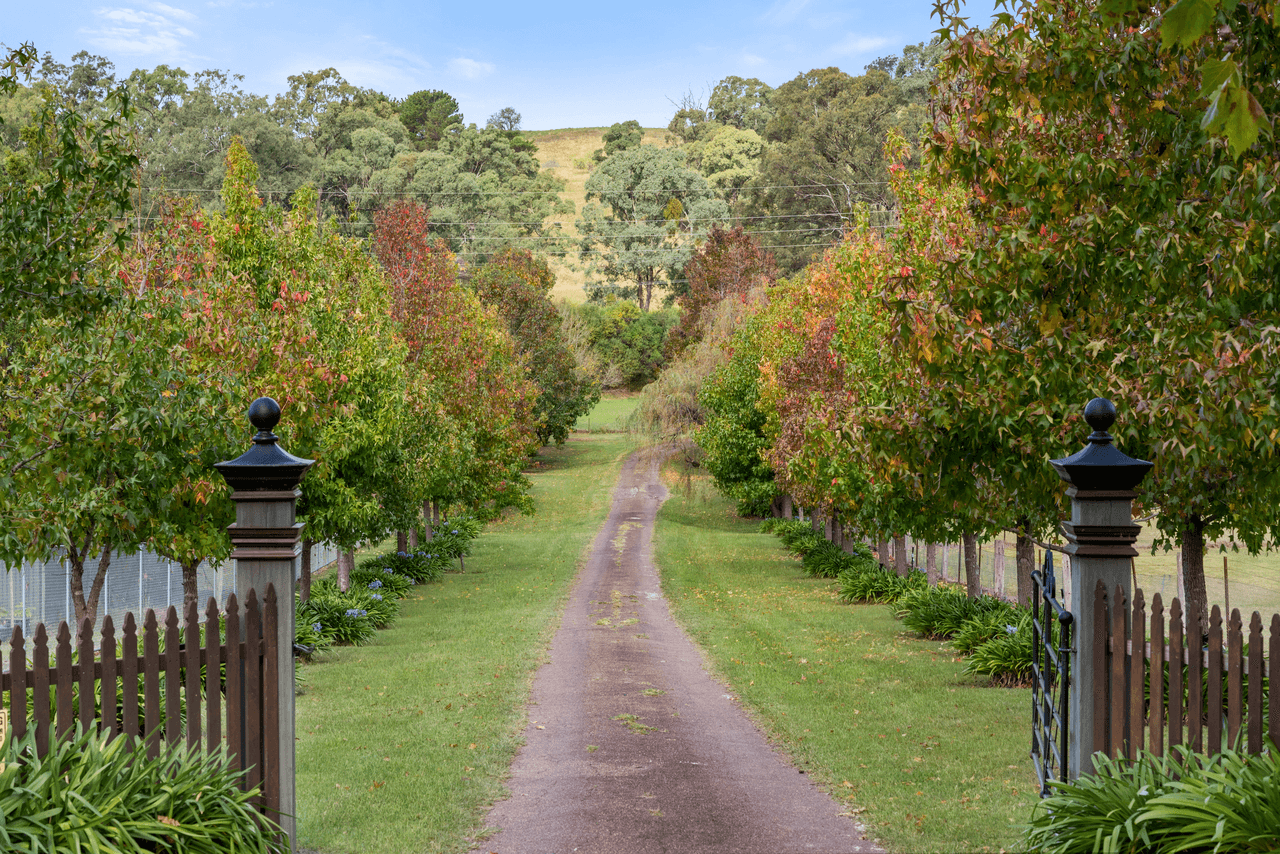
[
  {"x": 471, "y": 405},
  {"x": 518, "y": 286},
  {"x": 730, "y": 264},
  {"x": 1123, "y": 240}
]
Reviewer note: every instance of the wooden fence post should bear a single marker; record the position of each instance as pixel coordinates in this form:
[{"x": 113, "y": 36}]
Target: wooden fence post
[
  {"x": 266, "y": 537},
  {"x": 1101, "y": 482}
]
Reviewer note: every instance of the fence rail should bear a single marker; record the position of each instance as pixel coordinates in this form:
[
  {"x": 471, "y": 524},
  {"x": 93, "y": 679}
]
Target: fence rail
[
  {"x": 1199, "y": 688},
  {"x": 188, "y": 682}
]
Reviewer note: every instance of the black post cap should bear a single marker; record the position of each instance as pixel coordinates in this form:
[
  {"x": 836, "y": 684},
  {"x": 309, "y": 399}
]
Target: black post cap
[
  {"x": 1100, "y": 465},
  {"x": 265, "y": 466}
]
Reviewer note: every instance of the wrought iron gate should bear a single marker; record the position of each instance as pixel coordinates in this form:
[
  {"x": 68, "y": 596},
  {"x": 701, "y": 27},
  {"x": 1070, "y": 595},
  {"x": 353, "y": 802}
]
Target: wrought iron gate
[{"x": 1051, "y": 650}]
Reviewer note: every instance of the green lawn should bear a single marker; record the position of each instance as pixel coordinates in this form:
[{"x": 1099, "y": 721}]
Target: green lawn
[
  {"x": 609, "y": 415},
  {"x": 930, "y": 759},
  {"x": 402, "y": 744}
]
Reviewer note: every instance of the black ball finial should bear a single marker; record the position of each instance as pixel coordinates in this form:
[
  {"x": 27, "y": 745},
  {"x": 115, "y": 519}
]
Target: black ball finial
[
  {"x": 1100, "y": 414},
  {"x": 264, "y": 413}
]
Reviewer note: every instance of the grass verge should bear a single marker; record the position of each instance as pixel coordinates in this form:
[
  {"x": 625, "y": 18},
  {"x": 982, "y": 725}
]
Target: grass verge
[
  {"x": 403, "y": 743},
  {"x": 929, "y": 759},
  {"x": 610, "y": 415}
]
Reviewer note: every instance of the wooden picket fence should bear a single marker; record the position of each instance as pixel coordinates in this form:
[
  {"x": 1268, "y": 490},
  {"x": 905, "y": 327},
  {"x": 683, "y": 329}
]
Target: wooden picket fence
[
  {"x": 189, "y": 689},
  {"x": 1203, "y": 692}
]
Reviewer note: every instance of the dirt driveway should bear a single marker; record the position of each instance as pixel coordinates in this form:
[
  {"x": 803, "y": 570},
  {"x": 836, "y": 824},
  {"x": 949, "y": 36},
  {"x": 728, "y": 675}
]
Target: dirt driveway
[{"x": 631, "y": 746}]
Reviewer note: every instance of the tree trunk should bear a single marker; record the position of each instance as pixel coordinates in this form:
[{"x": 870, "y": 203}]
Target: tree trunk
[
  {"x": 413, "y": 539},
  {"x": 346, "y": 563},
  {"x": 1193, "y": 568},
  {"x": 900, "y": 556},
  {"x": 931, "y": 563},
  {"x": 787, "y": 510},
  {"x": 972, "y": 578},
  {"x": 1026, "y": 552},
  {"x": 882, "y": 553},
  {"x": 190, "y": 582},
  {"x": 431, "y": 516},
  {"x": 402, "y": 541},
  {"x": 304, "y": 581},
  {"x": 87, "y": 608},
  {"x": 829, "y": 527}
]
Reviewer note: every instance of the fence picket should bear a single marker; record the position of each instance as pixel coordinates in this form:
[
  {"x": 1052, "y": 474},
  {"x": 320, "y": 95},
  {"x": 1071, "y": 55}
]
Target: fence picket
[
  {"x": 1195, "y": 682},
  {"x": 108, "y": 684},
  {"x": 40, "y": 688},
  {"x": 1176, "y": 658},
  {"x": 191, "y": 670},
  {"x": 88, "y": 710},
  {"x": 235, "y": 688},
  {"x": 151, "y": 682},
  {"x": 1156, "y": 717},
  {"x": 17, "y": 684},
  {"x": 1137, "y": 674},
  {"x": 1235, "y": 667},
  {"x": 1214, "y": 699},
  {"x": 1255, "y": 684},
  {"x": 63, "y": 702},
  {"x": 213, "y": 676},
  {"x": 172, "y": 678},
  {"x": 129, "y": 675},
  {"x": 1273, "y": 679}
]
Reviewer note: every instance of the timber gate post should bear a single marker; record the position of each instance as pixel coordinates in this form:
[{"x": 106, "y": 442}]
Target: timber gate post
[
  {"x": 266, "y": 539},
  {"x": 1101, "y": 481}
]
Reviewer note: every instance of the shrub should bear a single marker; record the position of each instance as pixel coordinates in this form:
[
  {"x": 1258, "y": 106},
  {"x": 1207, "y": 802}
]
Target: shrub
[
  {"x": 826, "y": 560},
  {"x": 314, "y": 636},
  {"x": 1007, "y": 656},
  {"x": 91, "y": 794},
  {"x": 1182, "y": 802},
  {"x": 867, "y": 581},
  {"x": 940, "y": 612},
  {"x": 339, "y": 618},
  {"x": 381, "y": 609},
  {"x": 452, "y": 537},
  {"x": 384, "y": 580},
  {"x": 421, "y": 566},
  {"x": 976, "y": 631}
]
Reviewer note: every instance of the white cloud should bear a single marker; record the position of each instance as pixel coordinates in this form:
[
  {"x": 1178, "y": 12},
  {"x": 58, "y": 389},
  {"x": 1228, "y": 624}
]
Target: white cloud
[
  {"x": 470, "y": 69},
  {"x": 854, "y": 44},
  {"x": 784, "y": 11},
  {"x": 134, "y": 30},
  {"x": 752, "y": 61}
]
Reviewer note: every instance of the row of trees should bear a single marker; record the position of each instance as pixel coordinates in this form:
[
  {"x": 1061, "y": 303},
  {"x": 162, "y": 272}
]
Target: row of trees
[
  {"x": 1081, "y": 226},
  {"x": 127, "y": 357}
]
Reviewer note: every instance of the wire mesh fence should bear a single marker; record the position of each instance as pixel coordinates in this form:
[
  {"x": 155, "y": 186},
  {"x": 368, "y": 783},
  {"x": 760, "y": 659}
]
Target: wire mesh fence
[{"x": 35, "y": 592}]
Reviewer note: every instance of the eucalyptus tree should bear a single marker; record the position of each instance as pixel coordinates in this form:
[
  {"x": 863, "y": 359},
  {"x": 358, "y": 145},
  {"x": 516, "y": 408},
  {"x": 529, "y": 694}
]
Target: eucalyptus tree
[{"x": 646, "y": 210}]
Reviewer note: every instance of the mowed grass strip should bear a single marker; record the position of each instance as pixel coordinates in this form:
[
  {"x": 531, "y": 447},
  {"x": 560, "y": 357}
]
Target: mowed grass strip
[
  {"x": 403, "y": 743},
  {"x": 929, "y": 759}
]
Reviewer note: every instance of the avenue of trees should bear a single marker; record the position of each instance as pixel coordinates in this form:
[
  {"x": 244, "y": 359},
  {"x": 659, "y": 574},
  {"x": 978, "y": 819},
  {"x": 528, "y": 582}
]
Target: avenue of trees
[
  {"x": 128, "y": 355},
  {"x": 884, "y": 296}
]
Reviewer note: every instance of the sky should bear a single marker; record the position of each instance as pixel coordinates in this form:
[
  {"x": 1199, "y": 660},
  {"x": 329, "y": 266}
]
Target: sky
[{"x": 558, "y": 64}]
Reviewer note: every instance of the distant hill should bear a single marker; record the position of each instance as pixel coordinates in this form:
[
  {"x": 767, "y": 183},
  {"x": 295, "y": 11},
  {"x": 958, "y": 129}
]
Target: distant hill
[{"x": 565, "y": 153}]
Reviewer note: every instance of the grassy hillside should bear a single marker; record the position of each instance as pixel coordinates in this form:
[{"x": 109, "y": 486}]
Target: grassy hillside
[{"x": 558, "y": 150}]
